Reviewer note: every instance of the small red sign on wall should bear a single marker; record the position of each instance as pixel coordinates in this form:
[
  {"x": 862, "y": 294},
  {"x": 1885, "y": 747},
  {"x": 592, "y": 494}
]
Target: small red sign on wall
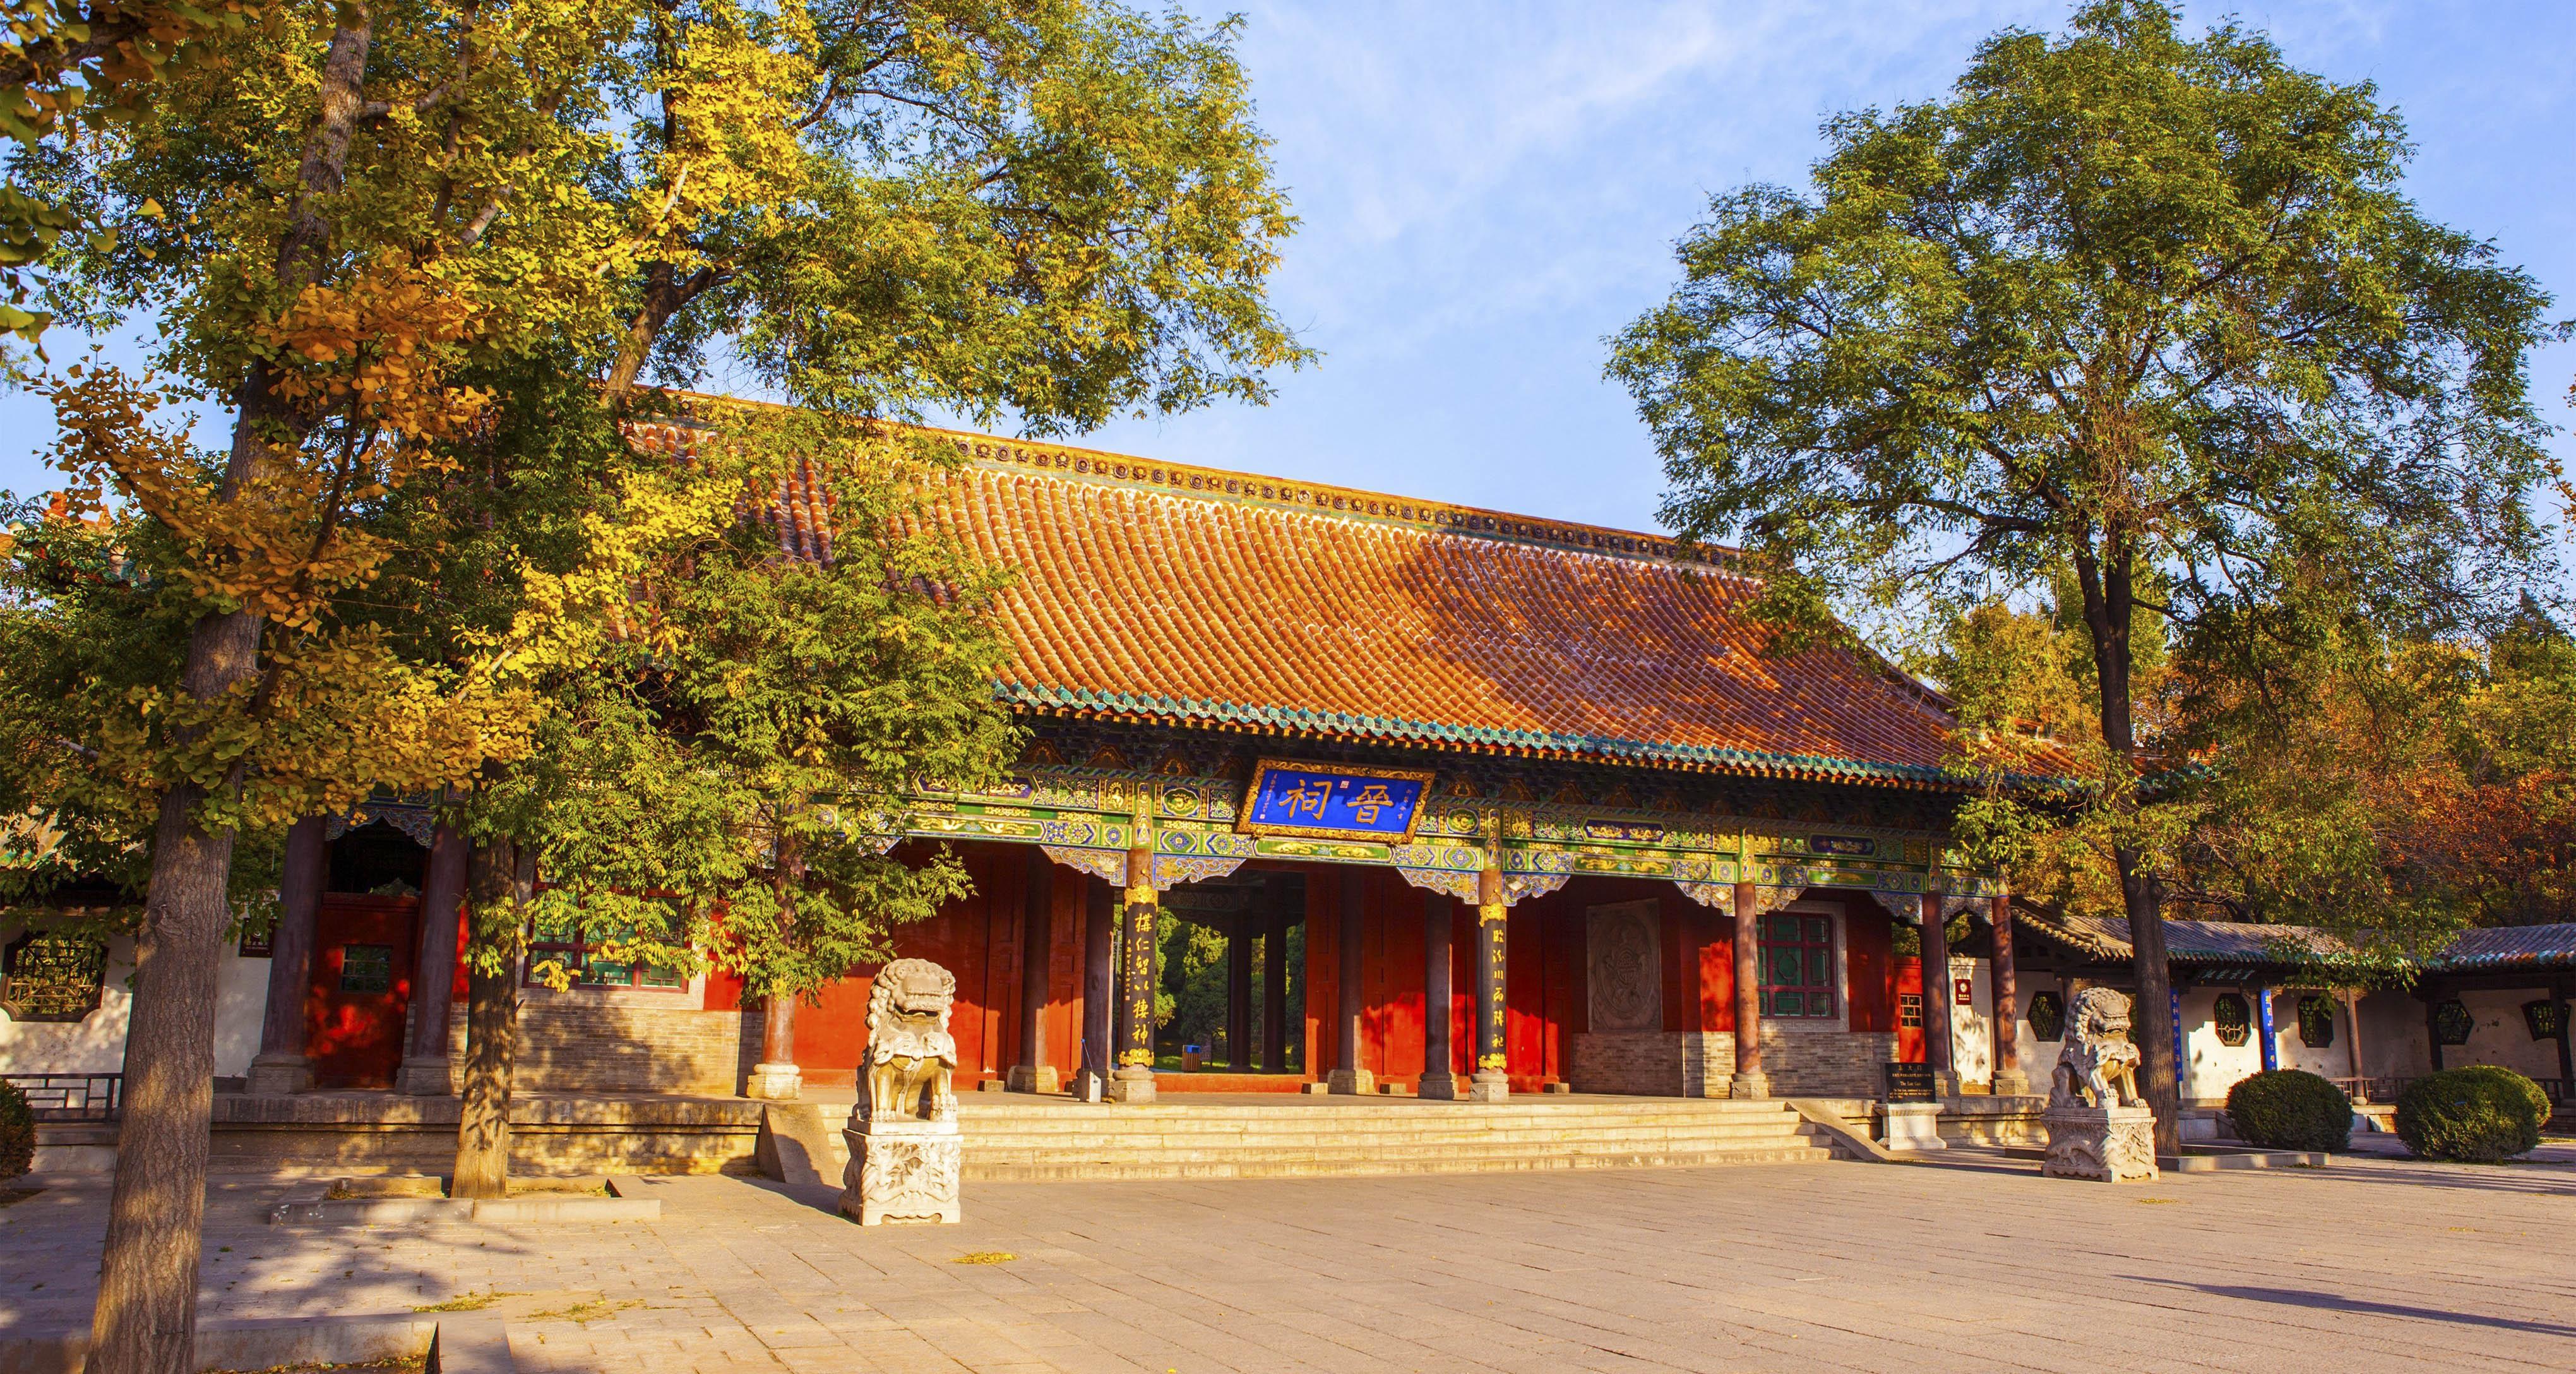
[{"x": 1964, "y": 991}]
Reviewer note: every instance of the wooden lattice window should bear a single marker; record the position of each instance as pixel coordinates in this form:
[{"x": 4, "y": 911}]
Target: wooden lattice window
[
  {"x": 2546, "y": 1018},
  {"x": 2235, "y": 1019},
  {"x": 2452, "y": 1023},
  {"x": 2316, "y": 1021},
  {"x": 587, "y": 949},
  {"x": 2047, "y": 1016},
  {"x": 1797, "y": 965}
]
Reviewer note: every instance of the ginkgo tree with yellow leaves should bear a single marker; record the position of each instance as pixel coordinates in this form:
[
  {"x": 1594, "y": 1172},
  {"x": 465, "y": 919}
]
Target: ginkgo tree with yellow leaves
[{"x": 385, "y": 235}]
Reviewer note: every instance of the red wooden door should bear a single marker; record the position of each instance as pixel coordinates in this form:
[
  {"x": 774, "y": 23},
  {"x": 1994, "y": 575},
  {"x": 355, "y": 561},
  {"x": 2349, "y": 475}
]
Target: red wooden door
[
  {"x": 1909, "y": 1011},
  {"x": 363, "y": 950}
]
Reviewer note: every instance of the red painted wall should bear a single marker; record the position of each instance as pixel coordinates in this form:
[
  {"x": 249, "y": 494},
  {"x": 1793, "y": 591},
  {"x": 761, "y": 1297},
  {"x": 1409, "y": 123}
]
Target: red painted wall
[
  {"x": 1869, "y": 969},
  {"x": 355, "y": 1039}
]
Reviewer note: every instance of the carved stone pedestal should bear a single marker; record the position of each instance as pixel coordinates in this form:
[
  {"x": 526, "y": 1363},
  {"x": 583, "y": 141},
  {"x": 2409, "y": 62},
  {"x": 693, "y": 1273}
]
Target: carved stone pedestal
[
  {"x": 2011, "y": 1083},
  {"x": 901, "y": 1172},
  {"x": 774, "y": 1083},
  {"x": 2104, "y": 1144},
  {"x": 1089, "y": 1087},
  {"x": 1489, "y": 1086},
  {"x": 1440, "y": 1087},
  {"x": 1132, "y": 1085},
  {"x": 279, "y": 1075},
  {"x": 1749, "y": 1085},
  {"x": 1351, "y": 1082},
  {"x": 425, "y": 1076},
  {"x": 1915, "y": 1126},
  {"x": 1040, "y": 1078}
]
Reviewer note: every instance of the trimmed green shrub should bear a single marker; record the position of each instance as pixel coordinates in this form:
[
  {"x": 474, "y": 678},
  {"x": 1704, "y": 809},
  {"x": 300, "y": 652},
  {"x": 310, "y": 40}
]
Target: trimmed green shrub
[
  {"x": 17, "y": 1133},
  {"x": 2290, "y": 1109},
  {"x": 2477, "y": 1115}
]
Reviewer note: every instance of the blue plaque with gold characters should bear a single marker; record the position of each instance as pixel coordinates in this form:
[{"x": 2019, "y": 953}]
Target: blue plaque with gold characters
[{"x": 1334, "y": 801}]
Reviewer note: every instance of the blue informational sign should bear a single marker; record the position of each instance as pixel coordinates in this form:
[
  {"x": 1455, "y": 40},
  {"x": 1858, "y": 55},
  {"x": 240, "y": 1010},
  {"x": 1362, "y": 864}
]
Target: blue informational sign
[{"x": 1334, "y": 801}]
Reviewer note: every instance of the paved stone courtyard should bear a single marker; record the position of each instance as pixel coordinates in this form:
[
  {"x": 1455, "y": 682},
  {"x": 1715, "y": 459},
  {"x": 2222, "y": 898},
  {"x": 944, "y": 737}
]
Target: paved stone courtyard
[{"x": 1969, "y": 1265}]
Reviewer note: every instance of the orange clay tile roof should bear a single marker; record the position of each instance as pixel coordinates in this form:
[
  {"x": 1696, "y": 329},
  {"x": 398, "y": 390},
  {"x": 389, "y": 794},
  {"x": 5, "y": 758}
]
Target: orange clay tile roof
[{"x": 1162, "y": 593}]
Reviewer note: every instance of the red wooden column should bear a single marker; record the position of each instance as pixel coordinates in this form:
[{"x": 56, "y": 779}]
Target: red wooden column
[
  {"x": 1033, "y": 1074},
  {"x": 425, "y": 1071},
  {"x": 281, "y": 1066},
  {"x": 775, "y": 1077},
  {"x": 1348, "y": 1076},
  {"x": 1936, "y": 998},
  {"x": 1749, "y": 1079},
  {"x": 2010, "y": 1080},
  {"x": 1438, "y": 1081}
]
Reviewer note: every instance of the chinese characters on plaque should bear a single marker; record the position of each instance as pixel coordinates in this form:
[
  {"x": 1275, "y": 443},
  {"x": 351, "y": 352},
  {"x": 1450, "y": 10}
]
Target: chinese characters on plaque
[{"x": 1334, "y": 801}]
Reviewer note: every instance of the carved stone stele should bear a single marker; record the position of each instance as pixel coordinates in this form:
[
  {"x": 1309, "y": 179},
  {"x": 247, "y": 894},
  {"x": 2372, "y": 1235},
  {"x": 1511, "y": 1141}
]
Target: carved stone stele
[
  {"x": 2098, "y": 1128},
  {"x": 905, "y": 1151}
]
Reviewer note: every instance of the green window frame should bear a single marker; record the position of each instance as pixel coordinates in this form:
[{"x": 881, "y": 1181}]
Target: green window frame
[
  {"x": 1797, "y": 954},
  {"x": 595, "y": 970}
]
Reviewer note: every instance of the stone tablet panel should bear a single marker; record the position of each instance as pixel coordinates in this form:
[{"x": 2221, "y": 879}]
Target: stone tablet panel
[{"x": 1624, "y": 972}]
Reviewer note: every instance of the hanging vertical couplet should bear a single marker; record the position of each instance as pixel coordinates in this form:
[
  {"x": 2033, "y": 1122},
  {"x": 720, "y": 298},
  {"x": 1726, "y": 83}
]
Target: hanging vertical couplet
[
  {"x": 1136, "y": 1048},
  {"x": 1492, "y": 921}
]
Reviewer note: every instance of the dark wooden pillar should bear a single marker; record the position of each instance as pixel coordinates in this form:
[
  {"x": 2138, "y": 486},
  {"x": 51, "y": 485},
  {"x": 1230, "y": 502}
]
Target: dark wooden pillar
[
  {"x": 425, "y": 1071},
  {"x": 1274, "y": 984},
  {"x": 1749, "y": 1079},
  {"x": 1099, "y": 988},
  {"x": 2566, "y": 1058},
  {"x": 2432, "y": 1027},
  {"x": 1936, "y": 998},
  {"x": 1493, "y": 1080},
  {"x": 1348, "y": 1076},
  {"x": 1439, "y": 1080},
  {"x": 1133, "y": 1079},
  {"x": 1033, "y": 1074},
  {"x": 1238, "y": 990},
  {"x": 2010, "y": 1081},
  {"x": 281, "y": 1066}
]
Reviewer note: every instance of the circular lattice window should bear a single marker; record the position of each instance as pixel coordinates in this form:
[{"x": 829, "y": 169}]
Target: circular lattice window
[
  {"x": 2235, "y": 1020},
  {"x": 2316, "y": 1021},
  {"x": 2047, "y": 1016}
]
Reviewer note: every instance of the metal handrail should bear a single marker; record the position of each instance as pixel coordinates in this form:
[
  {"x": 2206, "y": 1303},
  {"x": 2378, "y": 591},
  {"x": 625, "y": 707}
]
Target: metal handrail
[{"x": 71, "y": 1096}]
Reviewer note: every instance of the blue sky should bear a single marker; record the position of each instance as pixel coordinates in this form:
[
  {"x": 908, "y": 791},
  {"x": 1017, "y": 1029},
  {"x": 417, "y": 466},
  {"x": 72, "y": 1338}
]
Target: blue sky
[{"x": 1489, "y": 189}]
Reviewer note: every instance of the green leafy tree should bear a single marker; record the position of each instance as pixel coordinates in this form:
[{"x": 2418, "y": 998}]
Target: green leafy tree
[{"x": 2147, "y": 312}]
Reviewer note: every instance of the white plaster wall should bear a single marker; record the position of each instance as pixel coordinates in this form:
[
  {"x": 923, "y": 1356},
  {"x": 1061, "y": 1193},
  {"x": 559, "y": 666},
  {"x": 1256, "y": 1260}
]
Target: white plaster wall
[
  {"x": 2209, "y": 1065},
  {"x": 241, "y": 1002},
  {"x": 97, "y": 1043},
  {"x": 2393, "y": 1043},
  {"x": 2038, "y": 1057},
  {"x": 1972, "y": 1035},
  {"x": 2335, "y": 1060},
  {"x": 2501, "y": 1037}
]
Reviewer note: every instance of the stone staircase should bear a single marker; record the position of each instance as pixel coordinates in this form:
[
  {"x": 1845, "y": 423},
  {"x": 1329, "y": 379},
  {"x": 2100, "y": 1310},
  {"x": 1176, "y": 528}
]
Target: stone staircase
[{"x": 1031, "y": 1141}]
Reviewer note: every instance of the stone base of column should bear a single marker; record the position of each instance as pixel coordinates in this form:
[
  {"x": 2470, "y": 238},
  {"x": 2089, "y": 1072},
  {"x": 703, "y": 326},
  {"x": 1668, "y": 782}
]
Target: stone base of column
[
  {"x": 1089, "y": 1087},
  {"x": 2011, "y": 1083},
  {"x": 425, "y": 1076},
  {"x": 1752, "y": 1085},
  {"x": 279, "y": 1075},
  {"x": 1945, "y": 1084},
  {"x": 1491, "y": 1085},
  {"x": 1133, "y": 1086},
  {"x": 775, "y": 1083},
  {"x": 1350, "y": 1082},
  {"x": 1441, "y": 1087},
  {"x": 1038, "y": 1078}
]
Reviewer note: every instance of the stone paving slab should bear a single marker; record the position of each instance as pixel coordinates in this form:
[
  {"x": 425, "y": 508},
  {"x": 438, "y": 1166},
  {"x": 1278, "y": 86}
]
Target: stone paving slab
[{"x": 1970, "y": 1263}]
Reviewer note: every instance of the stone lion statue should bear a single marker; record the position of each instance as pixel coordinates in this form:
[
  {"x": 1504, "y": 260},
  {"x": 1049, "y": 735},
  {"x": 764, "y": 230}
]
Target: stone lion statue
[
  {"x": 2098, "y": 1067},
  {"x": 910, "y": 1053}
]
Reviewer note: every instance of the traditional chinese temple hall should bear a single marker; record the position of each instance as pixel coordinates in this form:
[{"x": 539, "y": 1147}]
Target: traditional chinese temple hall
[{"x": 1476, "y": 812}]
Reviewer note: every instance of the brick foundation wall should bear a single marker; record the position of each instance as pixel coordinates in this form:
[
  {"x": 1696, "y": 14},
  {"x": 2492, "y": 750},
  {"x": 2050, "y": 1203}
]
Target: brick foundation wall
[
  {"x": 1826, "y": 1063},
  {"x": 1702, "y": 1063},
  {"x": 583, "y": 1041},
  {"x": 1653, "y": 1063}
]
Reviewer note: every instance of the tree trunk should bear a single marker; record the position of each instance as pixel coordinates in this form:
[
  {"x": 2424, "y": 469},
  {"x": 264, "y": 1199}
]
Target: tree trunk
[
  {"x": 2110, "y": 606},
  {"x": 145, "y": 1319},
  {"x": 491, "y": 1025}
]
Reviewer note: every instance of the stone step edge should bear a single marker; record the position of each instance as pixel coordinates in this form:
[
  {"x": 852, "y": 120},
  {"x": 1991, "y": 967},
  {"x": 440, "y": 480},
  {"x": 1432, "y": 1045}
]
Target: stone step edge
[{"x": 1363, "y": 1169}]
